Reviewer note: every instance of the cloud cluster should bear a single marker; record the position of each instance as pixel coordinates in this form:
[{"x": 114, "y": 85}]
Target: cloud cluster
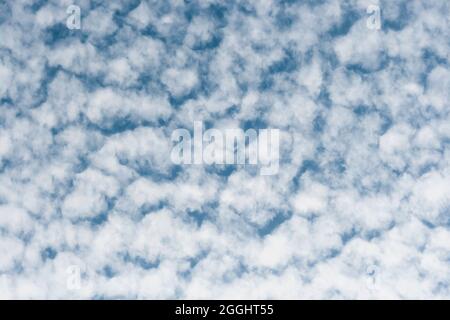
[{"x": 91, "y": 205}]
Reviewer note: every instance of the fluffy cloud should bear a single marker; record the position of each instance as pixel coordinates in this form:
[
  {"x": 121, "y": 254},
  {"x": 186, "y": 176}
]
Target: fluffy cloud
[{"x": 91, "y": 205}]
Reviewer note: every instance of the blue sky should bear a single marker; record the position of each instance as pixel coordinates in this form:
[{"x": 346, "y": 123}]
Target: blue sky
[{"x": 360, "y": 207}]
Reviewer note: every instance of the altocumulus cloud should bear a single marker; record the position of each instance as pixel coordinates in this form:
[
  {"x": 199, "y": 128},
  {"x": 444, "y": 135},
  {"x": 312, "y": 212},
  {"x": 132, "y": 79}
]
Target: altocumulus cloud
[{"x": 360, "y": 207}]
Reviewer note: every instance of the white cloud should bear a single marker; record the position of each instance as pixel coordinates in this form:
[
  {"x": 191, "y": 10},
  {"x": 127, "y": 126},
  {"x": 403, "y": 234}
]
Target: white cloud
[{"x": 359, "y": 208}]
